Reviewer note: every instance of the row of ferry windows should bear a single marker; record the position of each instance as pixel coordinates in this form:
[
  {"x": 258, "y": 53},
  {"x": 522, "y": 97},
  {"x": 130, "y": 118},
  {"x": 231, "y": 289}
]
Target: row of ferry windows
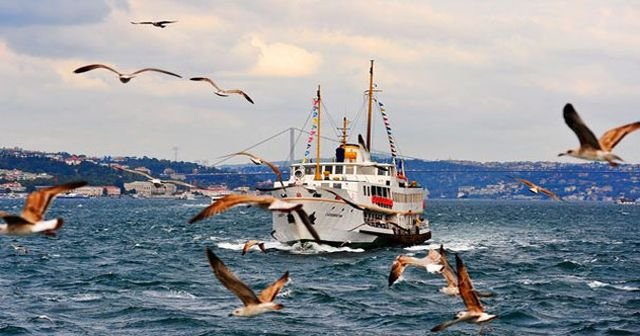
[
  {"x": 376, "y": 191},
  {"x": 347, "y": 169},
  {"x": 408, "y": 198}
]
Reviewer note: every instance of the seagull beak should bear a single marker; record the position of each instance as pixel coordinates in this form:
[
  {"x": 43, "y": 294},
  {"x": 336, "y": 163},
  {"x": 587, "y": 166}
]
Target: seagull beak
[{"x": 562, "y": 154}]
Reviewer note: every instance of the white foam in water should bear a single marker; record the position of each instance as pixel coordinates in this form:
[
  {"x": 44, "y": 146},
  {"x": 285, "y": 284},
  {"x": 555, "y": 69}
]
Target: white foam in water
[
  {"x": 188, "y": 205},
  {"x": 455, "y": 246},
  {"x": 315, "y": 248},
  {"x": 597, "y": 284},
  {"x": 86, "y": 297},
  {"x": 170, "y": 294}
]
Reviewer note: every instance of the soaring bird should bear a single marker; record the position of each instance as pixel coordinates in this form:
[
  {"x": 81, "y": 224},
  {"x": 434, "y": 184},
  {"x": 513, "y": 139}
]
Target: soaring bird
[
  {"x": 258, "y": 161},
  {"x": 253, "y": 305},
  {"x": 271, "y": 203},
  {"x": 591, "y": 148},
  {"x": 223, "y": 93},
  {"x": 156, "y": 181},
  {"x": 448, "y": 274},
  {"x": 534, "y": 188},
  {"x": 159, "y": 24},
  {"x": 31, "y": 220},
  {"x": 430, "y": 262},
  {"x": 475, "y": 312},
  {"x": 252, "y": 242},
  {"x": 124, "y": 78}
]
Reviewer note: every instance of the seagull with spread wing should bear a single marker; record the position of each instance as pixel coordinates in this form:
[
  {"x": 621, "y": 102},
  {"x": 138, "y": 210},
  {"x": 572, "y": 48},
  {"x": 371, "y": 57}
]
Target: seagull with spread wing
[
  {"x": 475, "y": 312},
  {"x": 258, "y": 161},
  {"x": 159, "y": 24},
  {"x": 253, "y": 305},
  {"x": 430, "y": 262},
  {"x": 251, "y": 243},
  {"x": 223, "y": 93},
  {"x": 124, "y": 78},
  {"x": 592, "y": 148},
  {"x": 534, "y": 188},
  {"x": 156, "y": 181},
  {"x": 31, "y": 220},
  {"x": 271, "y": 203}
]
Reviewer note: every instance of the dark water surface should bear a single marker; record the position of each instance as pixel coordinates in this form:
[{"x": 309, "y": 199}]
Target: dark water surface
[{"x": 135, "y": 267}]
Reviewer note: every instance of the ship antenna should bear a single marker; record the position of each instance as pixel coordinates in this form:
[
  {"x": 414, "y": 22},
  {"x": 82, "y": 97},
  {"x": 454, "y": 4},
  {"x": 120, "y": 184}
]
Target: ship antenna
[
  {"x": 370, "y": 107},
  {"x": 317, "y": 174}
]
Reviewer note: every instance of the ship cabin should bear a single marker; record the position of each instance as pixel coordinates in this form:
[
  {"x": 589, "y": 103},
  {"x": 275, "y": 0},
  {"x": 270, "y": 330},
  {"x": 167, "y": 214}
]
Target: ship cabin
[{"x": 379, "y": 185}]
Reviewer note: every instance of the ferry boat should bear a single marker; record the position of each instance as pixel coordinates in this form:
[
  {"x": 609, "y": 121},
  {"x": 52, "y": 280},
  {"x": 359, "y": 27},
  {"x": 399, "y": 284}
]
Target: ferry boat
[{"x": 353, "y": 200}]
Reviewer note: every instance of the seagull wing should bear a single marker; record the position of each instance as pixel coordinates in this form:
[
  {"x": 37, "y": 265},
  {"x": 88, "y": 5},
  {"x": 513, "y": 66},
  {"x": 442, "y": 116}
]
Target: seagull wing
[
  {"x": 205, "y": 79},
  {"x": 248, "y": 245},
  {"x": 165, "y": 22},
  {"x": 271, "y": 165},
  {"x": 38, "y": 201},
  {"x": 132, "y": 171},
  {"x": 527, "y": 182},
  {"x": 445, "y": 325},
  {"x": 11, "y": 219},
  {"x": 156, "y": 70},
  {"x": 179, "y": 183},
  {"x": 229, "y": 201},
  {"x": 240, "y": 92},
  {"x": 465, "y": 286},
  {"x": 447, "y": 271},
  {"x": 397, "y": 268},
  {"x": 573, "y": 120},
  {"x": 95, "y": 66},
  {"x": 229, "y": 280},
  {"x": 550, "y": 194},
  {"x": 142, "y": 22},
  {"x": 613, "y": 136},
  {"x": 307, "y": 223},
  {"x": 269, "y": 293}
]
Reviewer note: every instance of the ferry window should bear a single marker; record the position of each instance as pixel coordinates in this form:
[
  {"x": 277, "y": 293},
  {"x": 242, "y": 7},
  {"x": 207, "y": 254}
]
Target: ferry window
[
  {"x": 337, "y": 185},
  {"x": 329, "y": 169},
  {"x": 310, "y": 170},
  {"x": 349, "y": 170},
  {"x": 338, "y": 169},
  {"x": 381, "y": 172},
  {"x": 364, "y": 190},
  {"x": 366, "y": 170},
  {"x": 385, "y": 192}
]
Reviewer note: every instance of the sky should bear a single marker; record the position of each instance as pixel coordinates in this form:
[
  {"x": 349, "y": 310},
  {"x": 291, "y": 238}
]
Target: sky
[{"x": 464, "y": 80}]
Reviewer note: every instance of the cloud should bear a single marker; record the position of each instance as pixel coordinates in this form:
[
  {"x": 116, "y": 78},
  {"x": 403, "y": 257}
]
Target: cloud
[
  {"x": 52, "y": 12},
  {"x": 284, "y": 60}
]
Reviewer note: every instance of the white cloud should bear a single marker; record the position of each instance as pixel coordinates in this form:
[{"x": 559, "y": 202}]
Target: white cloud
[{"x": 284, "y": 60}]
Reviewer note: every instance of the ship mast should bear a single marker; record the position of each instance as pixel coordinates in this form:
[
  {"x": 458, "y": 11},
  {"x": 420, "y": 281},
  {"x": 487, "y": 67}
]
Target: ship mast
[
  {"x": 370, "y": 107},
  {"x": 344, "y": 130},
  {"x": 317, "y": 175}
]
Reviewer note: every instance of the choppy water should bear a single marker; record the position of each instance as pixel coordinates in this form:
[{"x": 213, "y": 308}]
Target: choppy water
[{"x": 127, "y": 267}]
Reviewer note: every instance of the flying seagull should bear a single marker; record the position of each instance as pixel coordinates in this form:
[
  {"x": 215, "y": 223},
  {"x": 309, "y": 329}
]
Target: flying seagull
[
  {"x": 258, "y": 161},
  {"x": 534, "y": 188},
  {"x": 124, "y": 78},
  {"x": 448, "y": 274},
  {"x": 591, "y": 148},
  {"x": 252, "y": 242},
  {"x": 223, "y": 93},
  {"x": 430, "y": 262},
  {"x": 31, "y": 220},
  {"x": 474, "y": 313},
  {"x": 156, "y": 181},
  {"x": 253, "y": 305},
  {"x": 160, "y": 24},
  {"x": 268, "y": 202}
]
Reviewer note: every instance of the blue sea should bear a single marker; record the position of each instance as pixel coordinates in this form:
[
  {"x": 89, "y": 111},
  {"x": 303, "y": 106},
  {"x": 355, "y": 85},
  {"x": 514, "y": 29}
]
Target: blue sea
[{"x": 135, "y": 267}]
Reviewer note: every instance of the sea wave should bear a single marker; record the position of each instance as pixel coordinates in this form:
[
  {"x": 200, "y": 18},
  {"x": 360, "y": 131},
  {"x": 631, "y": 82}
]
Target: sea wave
[{"x": 598, "y": 284}]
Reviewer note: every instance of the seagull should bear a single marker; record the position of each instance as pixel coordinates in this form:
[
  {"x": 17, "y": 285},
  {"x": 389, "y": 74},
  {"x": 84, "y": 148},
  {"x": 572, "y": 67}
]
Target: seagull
[
  {"x": 268, "y": 202},
  {"x": 160, "y": 24},
  {"x": 429, "y": 262},
  {"x": 124, "y": 78},
  {"x": 591, "y": 148},
  {"x": 474, "y": 313},
  {"x": 31, "y": 220},
  {"x": 253, "y": 305},
  {"x": 250, "y": 243},
  {"x": 448, "y": 274},
  {"x": 258, "y": 161},
  {"x": 534, "y": 188},
  {"x": 156, "y": 181},
  {"x": 223, "y": 93},
  {"x": 20, "y": 249}
]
